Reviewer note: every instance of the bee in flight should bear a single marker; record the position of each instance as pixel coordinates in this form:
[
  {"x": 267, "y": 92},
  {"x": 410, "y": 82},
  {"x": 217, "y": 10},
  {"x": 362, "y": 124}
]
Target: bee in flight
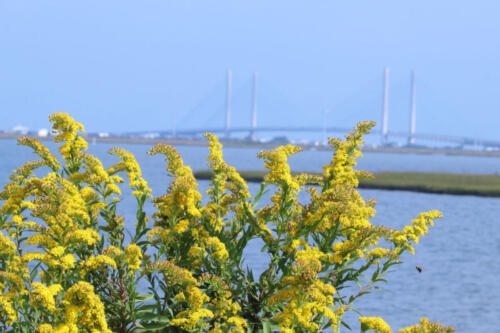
[{"x": 419, "y": 269}]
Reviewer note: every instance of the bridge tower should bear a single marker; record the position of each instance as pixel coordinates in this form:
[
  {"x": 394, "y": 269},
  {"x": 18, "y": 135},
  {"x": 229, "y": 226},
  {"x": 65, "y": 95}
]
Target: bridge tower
[
  {"x": 413, "y": 114},
  {"x": 254, "y": 107},
  {"x": 228, "y": 104},
  {"x": 385, "y": 110}
]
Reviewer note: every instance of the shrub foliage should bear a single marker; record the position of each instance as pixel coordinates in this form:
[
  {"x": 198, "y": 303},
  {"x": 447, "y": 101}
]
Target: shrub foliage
[{"x": 69, "y": 264}]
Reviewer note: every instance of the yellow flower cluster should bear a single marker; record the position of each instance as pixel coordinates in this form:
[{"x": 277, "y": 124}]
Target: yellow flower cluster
[
  {"x": 133, "y": 255},
  {"x": 67, "y": 130},
  {"x": 427, "y": 327},
  {"x": 97, "y": 177},
  {"x": 182, "y": 196},
  {"x": 45, "y": 295},
  {"x": 85, "y": 237},
  {"x": 377, "y": 324},
  {"x": 7, "y": 247},
  {"x": 220, "y": 252},
  {"x": 97, "y": 262},
  {"x": 80, "y": 309},
  {"x": 8, "y": 314},
  {"x": 411, "y": 233},
  {"x": 304, "y": 294},
  {"x": 196, "y": 315},
  {"x": 83, "y": 308},
  {"x": 224, "y": 308},
  {"x": 340, "y": 171},
  {"x": 279, "y": 170},
  {"x": 228, "y": 191},
  {"x": 379, "y": 253},
  {"x": 42, "y": 151},
  {"x": 173, "y": 275},
  {"x": 224, "y": 172},
  {"x": 54, "y": 258},
  {"x": 134, "y": 174}
]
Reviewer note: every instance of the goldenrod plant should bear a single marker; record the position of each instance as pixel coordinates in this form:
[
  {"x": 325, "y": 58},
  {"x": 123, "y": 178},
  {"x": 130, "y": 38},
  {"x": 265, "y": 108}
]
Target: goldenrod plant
[
  {"x": 427, "y": 327},
  {"x": 69, "y": 264}
]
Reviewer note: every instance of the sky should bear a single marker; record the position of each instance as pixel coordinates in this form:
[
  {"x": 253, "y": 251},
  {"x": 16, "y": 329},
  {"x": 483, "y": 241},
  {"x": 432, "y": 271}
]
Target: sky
[{"x": 158, "y": 65}]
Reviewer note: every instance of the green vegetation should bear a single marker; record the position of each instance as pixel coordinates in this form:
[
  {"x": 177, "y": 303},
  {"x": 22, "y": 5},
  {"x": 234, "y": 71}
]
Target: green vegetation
[
  {"x": 68, "y": 263},
  {"x": 446, "y": 183}
]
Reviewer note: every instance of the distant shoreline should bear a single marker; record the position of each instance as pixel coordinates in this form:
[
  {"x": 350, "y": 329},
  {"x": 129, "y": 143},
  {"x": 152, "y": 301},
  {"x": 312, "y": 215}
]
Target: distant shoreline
[
  {"x": 237, "y": 144},
  {"x": 438, "y": 183}
]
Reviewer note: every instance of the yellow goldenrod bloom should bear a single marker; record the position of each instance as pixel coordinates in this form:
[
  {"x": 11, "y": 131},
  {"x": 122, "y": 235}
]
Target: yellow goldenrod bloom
[
  {"x": 45, "y": 295},
  {"x": 67, "y": 130},
  {"x": 427, "y": 327},
  {"x": 84, "y": 309},
  {"x": 377, "y": 324},
  {"x": 133, "y": 255}
]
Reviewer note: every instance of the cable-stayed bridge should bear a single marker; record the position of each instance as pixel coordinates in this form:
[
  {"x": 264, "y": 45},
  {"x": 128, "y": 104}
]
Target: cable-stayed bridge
[
  {"x": 458, "y": 140},
  {"x": 253, "y": 128}
]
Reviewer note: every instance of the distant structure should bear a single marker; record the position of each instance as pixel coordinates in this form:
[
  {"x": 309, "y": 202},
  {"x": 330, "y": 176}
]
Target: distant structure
[
  {"x": 228, "y": 104},
  {"x": 254, "y": 107},
  {"x": 413, "y": 108},
  {"x": 325, "y": 138},
  {"x": 385, "y": 110},
  {"x": 43, "y": 132},
  {"x": 20, "y": 129}
]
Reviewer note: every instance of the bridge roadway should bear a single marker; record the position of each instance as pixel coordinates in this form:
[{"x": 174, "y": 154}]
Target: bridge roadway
[{"x": 317, "y": 129}]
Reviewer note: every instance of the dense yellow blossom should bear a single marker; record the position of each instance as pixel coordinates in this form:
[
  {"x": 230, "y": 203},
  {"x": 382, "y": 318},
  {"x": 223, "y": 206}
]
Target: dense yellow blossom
[
  {"x": 87, "y": 236},
  {"x": 223, "y": 172},
  {"x": 55, "y": 258},
  {"x": 218, "y": 247},
  {"x": 42, "y": 151},
  {"x": 411, "y": 233},
  {"x": 45, "y": 295},
  {"x": 7, "y": 311},
  {"x": 134, "y": 174},
  {"x": 226, "y": 311},
  {"x": 112, "y": 251},
  {"x": 95, "y": 173},
  {"x": 279, "y": 170},
  {"x": 97, "y": 262},
  {"x": 182, "y": 193},
  {"x": 377, "y": 324},
  {"x": 305, "y": 295},
  {"x": 196, "y": 315},
  {"x": 66, "y": 129},
  {"x": 427, "y": 327},
  {"x": 84, "y": 309},
  {"x": 7, "y": 247},
  {"x": 173, "y": 274},
  {"x": 133, "y": 255},
  {"x": 181, "y": 226}
]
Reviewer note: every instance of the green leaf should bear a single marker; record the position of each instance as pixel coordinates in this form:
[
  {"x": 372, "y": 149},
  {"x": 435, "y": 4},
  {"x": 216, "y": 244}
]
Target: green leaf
[
  {"x": 150, "y": 327},
  {"x": 345, "y": 325},
  {"x": 143, "y": 297},
  {"x": 147, "y": 308},
  {"x": 261, "y": 192},
  {"x": 266, "y": 326},
  {"x": 153, "y": 317}
]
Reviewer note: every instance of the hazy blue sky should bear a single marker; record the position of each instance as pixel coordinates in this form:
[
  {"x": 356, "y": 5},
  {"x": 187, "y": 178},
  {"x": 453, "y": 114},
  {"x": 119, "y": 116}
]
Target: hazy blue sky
[{"x": 132, "y": 65}]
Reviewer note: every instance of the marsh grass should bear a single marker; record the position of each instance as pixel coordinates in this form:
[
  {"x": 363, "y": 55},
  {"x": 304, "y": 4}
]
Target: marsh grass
[{"x": 445, "y": 183}]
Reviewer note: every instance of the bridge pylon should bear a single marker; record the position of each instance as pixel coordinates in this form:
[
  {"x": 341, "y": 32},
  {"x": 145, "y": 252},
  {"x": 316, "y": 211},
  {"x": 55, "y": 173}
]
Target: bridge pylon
[
  {"x": 254, "y": 107},
  {"x": 413, "y": 109},
  {"x": 228, "y": 104},
  {"x": 385, "y": 109}
]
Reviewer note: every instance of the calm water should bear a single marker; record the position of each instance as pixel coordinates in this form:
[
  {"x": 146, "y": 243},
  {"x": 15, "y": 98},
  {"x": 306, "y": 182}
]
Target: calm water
[{"x": 459, "y": 284}]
